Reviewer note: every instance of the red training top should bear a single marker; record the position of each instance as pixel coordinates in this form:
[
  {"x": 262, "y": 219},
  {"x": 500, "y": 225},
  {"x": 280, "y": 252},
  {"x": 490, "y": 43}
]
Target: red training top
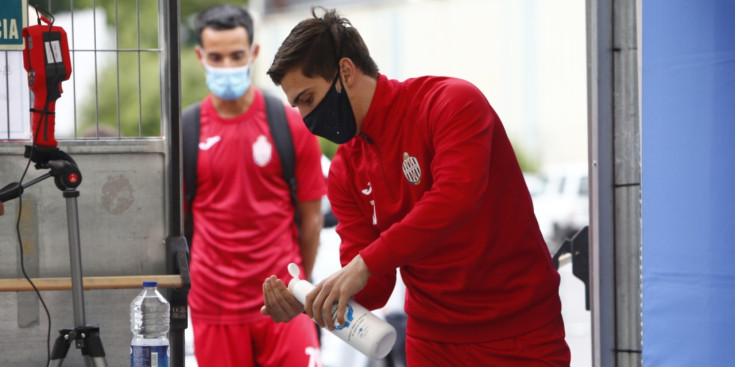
[
  {"x": 432, "y": 186},
  {"x": 243, "y": 215}
]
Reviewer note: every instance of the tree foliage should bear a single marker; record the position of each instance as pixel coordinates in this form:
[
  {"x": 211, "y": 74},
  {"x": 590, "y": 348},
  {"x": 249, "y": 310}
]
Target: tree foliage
[
  {"x": 128, "y": 94},
  {"x": 128, "y": 87}
]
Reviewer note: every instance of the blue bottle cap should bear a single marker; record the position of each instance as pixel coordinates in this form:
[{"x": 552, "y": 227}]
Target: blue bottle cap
[{"x": 150, "y": 283}]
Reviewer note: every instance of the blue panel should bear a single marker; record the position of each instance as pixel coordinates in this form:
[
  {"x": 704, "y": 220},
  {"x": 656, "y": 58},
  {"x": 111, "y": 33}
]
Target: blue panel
[
  {"x": 688, "y": 182},
  {"x": 11, "y": 23}
]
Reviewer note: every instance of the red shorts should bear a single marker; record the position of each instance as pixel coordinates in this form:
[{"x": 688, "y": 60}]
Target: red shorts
[
  {"x": 261, "y": 343},
  {"x": 544, "y": 346}
]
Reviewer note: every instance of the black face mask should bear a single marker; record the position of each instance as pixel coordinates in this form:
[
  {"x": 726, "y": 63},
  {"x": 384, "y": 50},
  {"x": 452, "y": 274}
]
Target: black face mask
[{"x": 332, "y": 118}]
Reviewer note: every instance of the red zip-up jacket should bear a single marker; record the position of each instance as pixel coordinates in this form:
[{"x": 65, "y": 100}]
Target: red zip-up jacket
[{"x": 431, "y": 185}]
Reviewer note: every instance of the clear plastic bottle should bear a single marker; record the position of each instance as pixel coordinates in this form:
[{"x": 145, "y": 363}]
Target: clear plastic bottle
[
  {"x": 149, "y": 322},
  {"x": 363, "y": 330}
]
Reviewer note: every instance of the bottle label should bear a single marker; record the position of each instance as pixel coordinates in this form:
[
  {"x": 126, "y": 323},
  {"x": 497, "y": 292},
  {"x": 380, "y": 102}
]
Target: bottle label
[
  {"x": 360, "y": 328},
  {"x": 148, "y": 356},
  {"x": 348, "y": 316}
]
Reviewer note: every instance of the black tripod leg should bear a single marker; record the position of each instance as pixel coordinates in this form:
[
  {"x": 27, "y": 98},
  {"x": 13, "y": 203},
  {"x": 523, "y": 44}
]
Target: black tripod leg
[
  {"x": 61, "y": 347},
  {"x": 93, "y": 346}
]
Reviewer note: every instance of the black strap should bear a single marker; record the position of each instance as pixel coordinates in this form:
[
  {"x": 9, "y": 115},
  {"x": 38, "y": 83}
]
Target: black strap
[
  {"x": 190, "y": 122},
  {"x": 280, "y": 132}
]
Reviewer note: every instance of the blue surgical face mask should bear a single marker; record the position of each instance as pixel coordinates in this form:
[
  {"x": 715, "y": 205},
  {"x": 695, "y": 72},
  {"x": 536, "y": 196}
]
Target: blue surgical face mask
[{"x": 228, "y": 83}]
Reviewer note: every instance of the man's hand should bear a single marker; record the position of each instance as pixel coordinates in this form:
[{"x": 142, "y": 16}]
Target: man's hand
[
  {"x": 280, "y": 303},
  {"x": 338, "y": 288}
]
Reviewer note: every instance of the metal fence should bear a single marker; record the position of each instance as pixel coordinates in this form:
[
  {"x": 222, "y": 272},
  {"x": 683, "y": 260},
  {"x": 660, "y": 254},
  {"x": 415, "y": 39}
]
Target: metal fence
[
  {"x": 118, "y": 118},
  {"x": 117, "y": 50}
]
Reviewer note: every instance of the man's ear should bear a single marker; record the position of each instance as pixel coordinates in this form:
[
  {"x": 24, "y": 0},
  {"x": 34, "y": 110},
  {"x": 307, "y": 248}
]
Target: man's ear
[
  {"x": 200, "y": 54},
  {"x": 256, "y": 51},
  {"x": 347, "y": 69}
]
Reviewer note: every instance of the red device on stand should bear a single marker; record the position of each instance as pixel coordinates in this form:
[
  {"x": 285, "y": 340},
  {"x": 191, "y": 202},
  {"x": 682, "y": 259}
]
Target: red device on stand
[{"x": 46, "y": 59}]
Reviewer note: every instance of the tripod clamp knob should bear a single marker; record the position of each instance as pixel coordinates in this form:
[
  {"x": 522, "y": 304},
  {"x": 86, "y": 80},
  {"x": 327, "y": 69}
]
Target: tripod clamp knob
[
  {"x": 63, "y": 167},
  {"x": 66, "y": 174}
]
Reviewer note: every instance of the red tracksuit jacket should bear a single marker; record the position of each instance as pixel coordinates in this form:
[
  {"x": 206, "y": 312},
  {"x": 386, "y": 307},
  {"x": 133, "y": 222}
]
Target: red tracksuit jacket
[{"x": 432, "y": 186}]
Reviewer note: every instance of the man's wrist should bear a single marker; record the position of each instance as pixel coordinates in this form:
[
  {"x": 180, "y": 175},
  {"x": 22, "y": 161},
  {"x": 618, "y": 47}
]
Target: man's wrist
[{"x": 361, "y": 266}]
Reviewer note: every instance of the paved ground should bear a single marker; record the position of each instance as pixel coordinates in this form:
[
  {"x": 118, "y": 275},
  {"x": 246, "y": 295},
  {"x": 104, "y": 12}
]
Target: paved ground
[{"x": 577, "y": 323}]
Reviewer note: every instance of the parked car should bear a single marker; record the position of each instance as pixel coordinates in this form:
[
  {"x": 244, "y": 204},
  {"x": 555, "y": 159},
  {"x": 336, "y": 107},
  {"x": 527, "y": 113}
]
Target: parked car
[
  {"x": 535, "y": 183},
  {"x": 562, "y": 205}
]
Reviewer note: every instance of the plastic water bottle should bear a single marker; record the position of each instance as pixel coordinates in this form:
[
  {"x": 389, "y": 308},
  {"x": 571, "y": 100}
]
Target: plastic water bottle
[
  {"x": 149, "y": 322},
  {"x": 362, "y": 330}
]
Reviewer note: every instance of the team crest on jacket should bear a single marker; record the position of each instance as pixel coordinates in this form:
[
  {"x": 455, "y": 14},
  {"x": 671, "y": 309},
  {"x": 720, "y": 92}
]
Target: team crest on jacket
[
  {"x": 262, "y": 151},
  {"x": 411, "y": 169}
]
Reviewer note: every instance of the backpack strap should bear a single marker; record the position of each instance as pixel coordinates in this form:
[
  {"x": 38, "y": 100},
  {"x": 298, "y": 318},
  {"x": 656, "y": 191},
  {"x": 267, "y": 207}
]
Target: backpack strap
[
  {"x": 190, "y": 122},
  {"x": 281, "y": 134}
]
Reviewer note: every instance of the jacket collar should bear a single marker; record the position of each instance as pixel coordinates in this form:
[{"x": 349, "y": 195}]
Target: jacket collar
[{"x": 380, "y": 110}]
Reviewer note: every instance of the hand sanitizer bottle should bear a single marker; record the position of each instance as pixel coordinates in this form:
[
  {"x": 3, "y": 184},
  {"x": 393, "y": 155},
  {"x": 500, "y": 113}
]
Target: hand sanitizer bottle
[{"x": 362, "y": 330}]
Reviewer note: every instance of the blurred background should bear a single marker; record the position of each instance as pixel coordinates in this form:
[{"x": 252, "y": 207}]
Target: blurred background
[{"x": 527, "y": 56}]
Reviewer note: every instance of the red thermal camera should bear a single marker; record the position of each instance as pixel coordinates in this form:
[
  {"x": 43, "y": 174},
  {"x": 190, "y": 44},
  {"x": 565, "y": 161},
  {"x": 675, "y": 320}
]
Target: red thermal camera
[{"x": 46, "y": 59}]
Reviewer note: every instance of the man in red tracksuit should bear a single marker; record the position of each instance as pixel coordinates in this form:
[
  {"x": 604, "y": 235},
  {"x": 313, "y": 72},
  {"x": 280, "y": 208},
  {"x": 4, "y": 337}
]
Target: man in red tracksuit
[
  {"x": 425, "y": 181},
  {"x": 243, "y": 214}
]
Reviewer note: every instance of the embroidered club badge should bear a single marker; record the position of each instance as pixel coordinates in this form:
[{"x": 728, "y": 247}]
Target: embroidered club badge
[
  {"x": 411, "y": 169},
  {"x": 262, "y": 151}
]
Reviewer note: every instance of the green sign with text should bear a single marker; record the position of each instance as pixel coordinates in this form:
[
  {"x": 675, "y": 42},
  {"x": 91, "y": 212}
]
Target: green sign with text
[{"x": 13, "y": 17}]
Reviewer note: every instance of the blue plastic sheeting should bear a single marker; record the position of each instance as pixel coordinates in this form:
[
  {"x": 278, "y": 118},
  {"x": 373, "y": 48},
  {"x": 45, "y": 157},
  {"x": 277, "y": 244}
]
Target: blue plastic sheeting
[{"x": 688, "y": 182}]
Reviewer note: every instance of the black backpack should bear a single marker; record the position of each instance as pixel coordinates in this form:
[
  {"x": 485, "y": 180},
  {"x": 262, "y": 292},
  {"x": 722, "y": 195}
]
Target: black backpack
[{"x": 280, "y": 132}]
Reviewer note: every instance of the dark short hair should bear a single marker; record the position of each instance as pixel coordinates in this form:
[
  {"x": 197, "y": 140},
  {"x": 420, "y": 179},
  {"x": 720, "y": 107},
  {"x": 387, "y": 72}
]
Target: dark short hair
[
  {"x": 316, "y": 45},
  {"x": 224, "y": 16}
]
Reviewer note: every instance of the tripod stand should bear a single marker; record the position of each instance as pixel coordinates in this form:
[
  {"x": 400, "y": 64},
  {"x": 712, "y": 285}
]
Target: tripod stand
[{"x": 67, "y": 178}]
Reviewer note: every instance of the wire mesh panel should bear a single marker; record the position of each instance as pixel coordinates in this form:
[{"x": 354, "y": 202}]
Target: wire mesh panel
[
  {"x": 110, "y": 118},
  {"x": 115, "y": 86}
]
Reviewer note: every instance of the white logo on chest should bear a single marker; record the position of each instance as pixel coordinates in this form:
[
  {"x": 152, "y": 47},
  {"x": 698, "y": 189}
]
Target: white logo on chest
[
  {"x": 211, "y": 141},
  {"x": 411, "y": 169},
  {"x": 262, "y": 151},
  {"x": 367, "y": 192}
]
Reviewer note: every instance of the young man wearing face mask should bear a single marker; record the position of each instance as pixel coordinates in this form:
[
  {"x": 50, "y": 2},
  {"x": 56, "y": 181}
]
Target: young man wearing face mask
[
  {"x": 243, "y": 215},
  {"x": 425, "y": 181}
]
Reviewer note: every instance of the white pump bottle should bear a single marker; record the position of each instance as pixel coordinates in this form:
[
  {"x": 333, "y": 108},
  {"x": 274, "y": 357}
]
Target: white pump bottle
[{"x": 362, "y": 330}]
